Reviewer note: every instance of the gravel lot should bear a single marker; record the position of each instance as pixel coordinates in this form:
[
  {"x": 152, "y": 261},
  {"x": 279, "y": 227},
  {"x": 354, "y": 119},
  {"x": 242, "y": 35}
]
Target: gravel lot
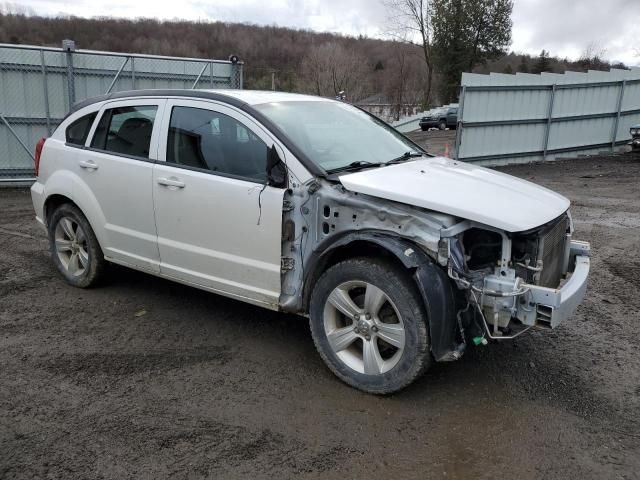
[{"x": 146, "y": 378}]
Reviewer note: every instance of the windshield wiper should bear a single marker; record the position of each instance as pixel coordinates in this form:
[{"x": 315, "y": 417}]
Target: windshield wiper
[
  {"x": 357, "y": 165},
  {"x": 404, "y": 157}
]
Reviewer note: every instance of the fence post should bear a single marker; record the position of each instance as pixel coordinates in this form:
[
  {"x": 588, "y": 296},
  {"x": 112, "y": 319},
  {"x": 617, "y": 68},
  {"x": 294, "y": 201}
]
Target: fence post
[
  {"x": 547, "y": 130},
  {"x": 460, "y": 126},
  {"x": 238, "y": 75},
  {"x": 616, "y": 121},
  {"x": 211, "y": 74},
  {"x": 43, "y": 67},
  {"x": 69, "y": 46},
  {"x": 133, "y": 73}
]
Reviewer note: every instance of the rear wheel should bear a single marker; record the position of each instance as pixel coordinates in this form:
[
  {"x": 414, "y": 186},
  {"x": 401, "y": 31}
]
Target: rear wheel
[
  {"x": 442, "y": 124},
  {"x": 74, "y": 247},
  {"x": 369, "y": 325}
]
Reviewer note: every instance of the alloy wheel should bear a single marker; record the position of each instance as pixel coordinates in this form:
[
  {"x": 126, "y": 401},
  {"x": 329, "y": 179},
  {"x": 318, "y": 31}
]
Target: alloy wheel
[
  {"x": 364, "y": 328},
  {"x": 71, "y": 246}
]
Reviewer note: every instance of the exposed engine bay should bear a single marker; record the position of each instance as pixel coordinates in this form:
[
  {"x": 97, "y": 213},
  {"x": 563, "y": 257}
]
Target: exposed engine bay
[{"x": 502, "y": 272}]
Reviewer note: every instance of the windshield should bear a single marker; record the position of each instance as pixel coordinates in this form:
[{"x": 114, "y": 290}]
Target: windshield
[{"x": 335, "y": 135}]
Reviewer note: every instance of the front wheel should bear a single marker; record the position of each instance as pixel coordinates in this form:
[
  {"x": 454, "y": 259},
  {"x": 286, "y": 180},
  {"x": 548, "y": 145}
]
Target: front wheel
[
  {"x": 442, "y": 125},
  {"x": 369, "y": 325}
]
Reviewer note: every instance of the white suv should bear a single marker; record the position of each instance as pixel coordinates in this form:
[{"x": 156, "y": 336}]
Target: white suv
[{"x": 312, "y": 206}]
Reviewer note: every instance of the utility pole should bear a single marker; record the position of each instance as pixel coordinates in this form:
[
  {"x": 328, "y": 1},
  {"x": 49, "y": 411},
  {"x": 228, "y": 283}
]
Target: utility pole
[{"x": 273, "y": 80}]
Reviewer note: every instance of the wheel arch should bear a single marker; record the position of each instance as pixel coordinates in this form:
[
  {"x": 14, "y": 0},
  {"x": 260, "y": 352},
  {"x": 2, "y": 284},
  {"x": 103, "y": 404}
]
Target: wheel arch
[
  {"x": 83, "y": 199},
  {"x": 52, "y": 202},
  {"x": 433, "y": 284}
]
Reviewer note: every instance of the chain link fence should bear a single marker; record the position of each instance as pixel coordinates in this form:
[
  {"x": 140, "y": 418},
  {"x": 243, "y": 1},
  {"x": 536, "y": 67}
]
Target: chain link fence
[{"x": 39, "y": 85}]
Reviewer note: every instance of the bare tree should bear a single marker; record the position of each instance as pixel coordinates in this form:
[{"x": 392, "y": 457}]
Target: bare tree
[
  {"x": 411, "y": 22},
  {"x": 592, "y": 57},
  {"x": 330, "y": 68}
]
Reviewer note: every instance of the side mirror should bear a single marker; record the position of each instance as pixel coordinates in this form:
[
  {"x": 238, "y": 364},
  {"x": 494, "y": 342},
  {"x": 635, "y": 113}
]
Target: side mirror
[{"x": 276, "y": 169}]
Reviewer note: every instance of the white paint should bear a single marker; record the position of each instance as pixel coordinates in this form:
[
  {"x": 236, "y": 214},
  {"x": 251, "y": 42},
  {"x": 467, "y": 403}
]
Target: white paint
[
  {"x": 464, "y": 190},
  {"x": 256, "y": 97}
]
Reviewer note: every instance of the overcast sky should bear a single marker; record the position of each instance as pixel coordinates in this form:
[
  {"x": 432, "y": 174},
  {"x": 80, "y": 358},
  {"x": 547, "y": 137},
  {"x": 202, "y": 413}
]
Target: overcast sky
[{"x": 563, "y": 27}]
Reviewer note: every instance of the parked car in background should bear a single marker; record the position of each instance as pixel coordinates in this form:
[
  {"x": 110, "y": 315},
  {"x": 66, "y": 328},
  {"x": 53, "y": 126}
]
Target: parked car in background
[
  {"x": 443, "y": 117},
  {"x": 635, "y": 138},
  {"x": 310, "y": 206}
]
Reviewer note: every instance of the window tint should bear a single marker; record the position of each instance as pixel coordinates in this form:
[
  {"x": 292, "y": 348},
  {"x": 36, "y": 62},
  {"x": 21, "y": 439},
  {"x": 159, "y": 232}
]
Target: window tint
[
  {"x": 214, "y": 141},
  {"x": 78, "y": 131},
  {"x": 126, "y": 130}
]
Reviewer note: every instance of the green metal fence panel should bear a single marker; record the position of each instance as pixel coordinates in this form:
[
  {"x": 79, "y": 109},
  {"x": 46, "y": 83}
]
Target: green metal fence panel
[
  {"x": 38, "y": 86},
  {"x": 523, "y": 117}
]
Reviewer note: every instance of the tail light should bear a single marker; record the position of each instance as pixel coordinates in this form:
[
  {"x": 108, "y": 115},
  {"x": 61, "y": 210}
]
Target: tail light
[{"x": 39, "y": 147}]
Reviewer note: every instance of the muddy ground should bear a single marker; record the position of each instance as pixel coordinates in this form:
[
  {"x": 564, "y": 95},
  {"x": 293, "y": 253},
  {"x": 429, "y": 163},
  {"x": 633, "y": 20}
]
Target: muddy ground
[{"x": 144, "y": 378}]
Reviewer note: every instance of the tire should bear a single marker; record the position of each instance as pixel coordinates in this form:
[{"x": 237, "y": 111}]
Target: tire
[
  {"x": 442, "y": 125},
  {"x": 355, "y": 348},
  {"x": 74, "y": 247},
  {"x": 424, "y": 129}
]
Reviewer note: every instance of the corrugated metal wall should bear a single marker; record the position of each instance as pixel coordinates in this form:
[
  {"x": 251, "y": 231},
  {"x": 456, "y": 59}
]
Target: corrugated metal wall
[
  {"x": 38, "y": 85},
  {"x": 524, "y": 117}
]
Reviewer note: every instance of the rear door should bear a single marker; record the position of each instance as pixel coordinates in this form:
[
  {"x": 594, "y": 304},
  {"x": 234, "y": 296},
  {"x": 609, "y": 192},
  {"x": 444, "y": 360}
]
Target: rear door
[
  {"x": 117, "y": 166},
  {"x": 219, "y": 224}
]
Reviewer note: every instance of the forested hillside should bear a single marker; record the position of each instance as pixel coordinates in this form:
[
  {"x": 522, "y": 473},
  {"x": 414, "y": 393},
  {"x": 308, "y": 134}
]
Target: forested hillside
[{"x": 320, "y": 63}]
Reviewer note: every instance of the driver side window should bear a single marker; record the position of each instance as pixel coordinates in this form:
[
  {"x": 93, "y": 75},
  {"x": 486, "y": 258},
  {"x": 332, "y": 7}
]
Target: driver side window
[{"x": 213, "y": 141}]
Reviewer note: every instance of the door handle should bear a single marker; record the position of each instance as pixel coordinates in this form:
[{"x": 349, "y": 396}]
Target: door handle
[
  {"x": 170, "y": 182},
  {"x": 88, "y": 164}
]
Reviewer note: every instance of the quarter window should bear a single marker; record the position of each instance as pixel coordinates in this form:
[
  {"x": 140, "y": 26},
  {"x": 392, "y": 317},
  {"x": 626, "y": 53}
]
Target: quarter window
[
  {"x": 126, "y": 130},
  {"x": 78, "y": 131},
  {"x": 216, "y": 142}
]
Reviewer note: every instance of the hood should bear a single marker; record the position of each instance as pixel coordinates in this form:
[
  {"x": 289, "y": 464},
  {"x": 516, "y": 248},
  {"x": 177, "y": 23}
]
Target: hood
[{"x": 463, "y": 190}]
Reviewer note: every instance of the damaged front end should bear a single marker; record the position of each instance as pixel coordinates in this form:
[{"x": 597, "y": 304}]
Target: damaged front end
[
  {"x": 515, "y": 281},
  {"x": 477, "y": 282}
]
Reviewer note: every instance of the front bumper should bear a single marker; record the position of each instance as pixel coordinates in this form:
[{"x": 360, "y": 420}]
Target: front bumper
[
  {"x": 554, "y": 305},
  {"x": 538, "y": 305}
]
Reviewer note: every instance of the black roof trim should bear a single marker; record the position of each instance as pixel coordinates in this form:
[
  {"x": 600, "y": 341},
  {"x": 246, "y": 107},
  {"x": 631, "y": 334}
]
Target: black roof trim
[
  {"x": 228, "y": 99},
  {"x": 168, "y": 92}
]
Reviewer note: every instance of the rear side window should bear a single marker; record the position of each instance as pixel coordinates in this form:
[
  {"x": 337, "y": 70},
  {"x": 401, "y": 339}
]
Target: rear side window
[
  {"x": 126, "y": 130},
  {"x": 78, "y": 131},
  {"x": 217, "y": 142}
]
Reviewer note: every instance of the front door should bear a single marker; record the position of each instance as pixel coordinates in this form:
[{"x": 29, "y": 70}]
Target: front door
[{"x": 218, "y": 223}]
